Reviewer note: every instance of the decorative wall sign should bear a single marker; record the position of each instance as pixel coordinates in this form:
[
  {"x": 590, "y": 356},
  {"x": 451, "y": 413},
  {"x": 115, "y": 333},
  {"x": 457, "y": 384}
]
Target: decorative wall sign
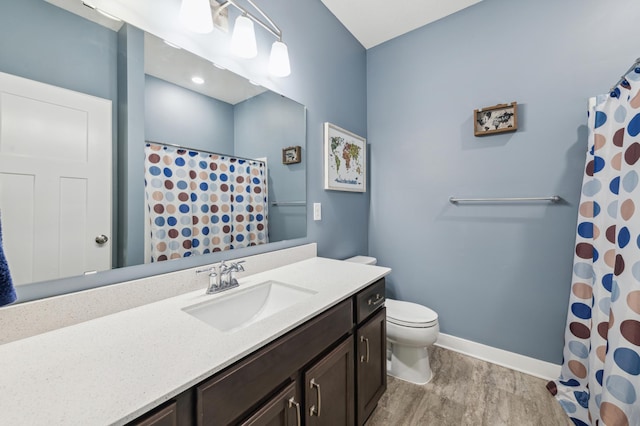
[
  {"x": 496, "y": 119},
  {"x": 291, "y": 155},
  {"x": 345, "y": 160}
]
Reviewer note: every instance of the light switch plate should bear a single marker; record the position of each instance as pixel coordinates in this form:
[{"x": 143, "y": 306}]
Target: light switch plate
[{"x": 317, "y": 211}]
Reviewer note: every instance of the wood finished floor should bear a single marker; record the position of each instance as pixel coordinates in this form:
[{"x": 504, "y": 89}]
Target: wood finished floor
[{"x": 467, "y": 391}]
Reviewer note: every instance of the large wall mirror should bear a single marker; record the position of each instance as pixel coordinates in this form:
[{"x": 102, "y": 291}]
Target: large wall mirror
[{"x": 62, "y": 44}]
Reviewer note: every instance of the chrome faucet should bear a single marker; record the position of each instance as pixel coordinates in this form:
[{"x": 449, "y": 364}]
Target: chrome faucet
[{"x": 221, "y": 276}]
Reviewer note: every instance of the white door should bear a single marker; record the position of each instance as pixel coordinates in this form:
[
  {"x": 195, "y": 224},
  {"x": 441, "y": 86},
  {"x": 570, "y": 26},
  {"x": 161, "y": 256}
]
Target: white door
[{"x": 55, "y": 180}]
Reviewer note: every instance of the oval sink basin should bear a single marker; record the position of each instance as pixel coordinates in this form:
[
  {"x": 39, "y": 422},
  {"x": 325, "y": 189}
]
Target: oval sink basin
[{"x": 245, "y": 307}]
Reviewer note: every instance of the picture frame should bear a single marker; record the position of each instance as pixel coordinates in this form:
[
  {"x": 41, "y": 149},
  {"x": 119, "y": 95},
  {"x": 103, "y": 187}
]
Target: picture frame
[
  {"x": 291, "y": 155},
  {"x": 500, "y": 118},
  {"x": 345, "y": 160}
]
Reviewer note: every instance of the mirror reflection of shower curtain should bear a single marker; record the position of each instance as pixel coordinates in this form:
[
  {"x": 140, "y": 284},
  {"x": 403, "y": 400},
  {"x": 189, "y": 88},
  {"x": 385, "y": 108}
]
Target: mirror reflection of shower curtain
[{"x": 201, "y": 203}]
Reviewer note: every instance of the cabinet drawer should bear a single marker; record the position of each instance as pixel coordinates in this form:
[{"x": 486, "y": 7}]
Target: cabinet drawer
[
  {"x": 228, "y": 395},
  {"x": 369, "y": 300}
]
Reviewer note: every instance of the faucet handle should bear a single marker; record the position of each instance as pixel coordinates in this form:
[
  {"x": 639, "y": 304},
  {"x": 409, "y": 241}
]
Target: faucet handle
[
  {"x": 237, "y": 266},
  {"x": 211, "y": 269}
]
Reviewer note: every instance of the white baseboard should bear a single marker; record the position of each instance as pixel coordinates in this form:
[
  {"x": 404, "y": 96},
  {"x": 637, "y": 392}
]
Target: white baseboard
[{"x": 524, "y": 364}]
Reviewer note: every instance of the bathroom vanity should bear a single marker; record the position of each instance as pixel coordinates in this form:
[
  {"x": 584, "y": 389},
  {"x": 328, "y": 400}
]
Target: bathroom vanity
[{"x": 321, "y": 360}]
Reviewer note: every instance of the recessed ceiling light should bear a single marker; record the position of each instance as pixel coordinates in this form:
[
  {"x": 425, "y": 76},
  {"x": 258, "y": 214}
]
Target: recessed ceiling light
[
  {"x": 254, "y": 83},
  {"x": 197, "y": 80},
  {"x": 218, "y": 66},
  {"x": 168, "y": 43}
]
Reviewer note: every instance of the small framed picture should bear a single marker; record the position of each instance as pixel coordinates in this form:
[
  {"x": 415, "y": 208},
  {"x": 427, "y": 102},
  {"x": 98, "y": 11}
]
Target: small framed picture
[
  {"x": 345, "y": 160},
  {"x": 496, "y": 119},
  {"x": 291, "y": 155}
]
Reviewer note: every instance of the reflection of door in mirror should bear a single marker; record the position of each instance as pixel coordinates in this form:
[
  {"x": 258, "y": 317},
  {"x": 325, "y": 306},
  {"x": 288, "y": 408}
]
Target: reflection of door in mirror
[{"x": 55, "y": 157}]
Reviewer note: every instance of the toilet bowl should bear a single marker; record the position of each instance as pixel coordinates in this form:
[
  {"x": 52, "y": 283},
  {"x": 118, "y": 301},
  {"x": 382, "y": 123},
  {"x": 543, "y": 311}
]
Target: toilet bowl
[{"x": 411, "y": 329}]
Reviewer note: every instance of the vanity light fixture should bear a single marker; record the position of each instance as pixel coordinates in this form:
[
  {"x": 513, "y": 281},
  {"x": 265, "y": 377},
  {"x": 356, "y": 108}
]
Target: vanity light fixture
[
  {"x": 243, "y": 38},
  {"x": 196, "y": 16},
  {"x": 279, "y": 59}
]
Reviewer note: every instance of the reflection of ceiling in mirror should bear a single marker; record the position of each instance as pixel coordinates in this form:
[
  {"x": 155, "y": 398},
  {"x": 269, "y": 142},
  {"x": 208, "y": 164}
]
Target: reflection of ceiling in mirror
[
  {"x": 178, "y": 66},
  {"x": 78, "y": 8}
]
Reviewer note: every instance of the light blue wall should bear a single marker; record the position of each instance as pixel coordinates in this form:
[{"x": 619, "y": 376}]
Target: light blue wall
[
  {"x": 42, "y": 42},
  {"x": 182, "y": 117},
  {"x": 496, "y": 274},
  {"x": 130, "y": 176},
  {"x": 328, "y": 76},
  {"x": 265, "y": 124}
]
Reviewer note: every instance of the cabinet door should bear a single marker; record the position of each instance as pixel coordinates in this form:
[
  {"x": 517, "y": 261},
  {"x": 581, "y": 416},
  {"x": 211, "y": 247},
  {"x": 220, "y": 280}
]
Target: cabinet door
[
  {"x": 284, "y": 409},
  {"x": 328, "y": 388},
  {"x": 371, "y": 364}
]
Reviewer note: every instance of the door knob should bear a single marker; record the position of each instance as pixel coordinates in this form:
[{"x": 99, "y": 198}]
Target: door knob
[{"x": 101, "y": 239}]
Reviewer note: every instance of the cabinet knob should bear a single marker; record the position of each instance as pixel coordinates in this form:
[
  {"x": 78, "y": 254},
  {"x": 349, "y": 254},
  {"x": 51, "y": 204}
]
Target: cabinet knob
[{"x": 102, "y": 239}]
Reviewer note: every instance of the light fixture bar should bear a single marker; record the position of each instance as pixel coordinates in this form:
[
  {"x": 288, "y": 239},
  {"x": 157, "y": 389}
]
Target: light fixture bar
[{"x": 269, "y": 26}]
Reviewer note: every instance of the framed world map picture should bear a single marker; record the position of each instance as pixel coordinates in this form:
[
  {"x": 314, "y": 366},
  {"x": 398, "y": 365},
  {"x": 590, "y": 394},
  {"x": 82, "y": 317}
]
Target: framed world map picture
[{"x": 345, "y": 160}]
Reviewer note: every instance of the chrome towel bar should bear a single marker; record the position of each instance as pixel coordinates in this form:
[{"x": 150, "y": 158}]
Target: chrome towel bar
[
  {"x": 288, "y": 203},
  {"x": 553, "y": 199}
]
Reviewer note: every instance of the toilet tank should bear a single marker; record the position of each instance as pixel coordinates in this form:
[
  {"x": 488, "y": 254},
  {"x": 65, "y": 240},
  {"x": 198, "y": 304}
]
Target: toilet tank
[{"x": 365, "y": 260}]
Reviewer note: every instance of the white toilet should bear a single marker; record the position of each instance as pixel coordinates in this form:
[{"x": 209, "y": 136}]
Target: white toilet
[{"x": 411, "y": 329}]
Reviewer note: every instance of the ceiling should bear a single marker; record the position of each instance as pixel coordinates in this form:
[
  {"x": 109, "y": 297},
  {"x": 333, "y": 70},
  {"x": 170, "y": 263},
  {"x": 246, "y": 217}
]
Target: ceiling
[
  {"x": 177, "y": 66},
  {"x": 370, "y": 21},
  {"x": 375, "y": 21}
]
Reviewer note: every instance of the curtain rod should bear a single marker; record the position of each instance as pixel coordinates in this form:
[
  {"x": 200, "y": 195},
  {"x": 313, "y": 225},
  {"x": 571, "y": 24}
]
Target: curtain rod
[
  {"x": 624, "y": 76},
  {"x": 204, "y": 150}
]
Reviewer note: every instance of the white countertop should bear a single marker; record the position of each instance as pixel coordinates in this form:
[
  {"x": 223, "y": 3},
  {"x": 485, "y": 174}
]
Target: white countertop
[{"x": 112, "y": 369}]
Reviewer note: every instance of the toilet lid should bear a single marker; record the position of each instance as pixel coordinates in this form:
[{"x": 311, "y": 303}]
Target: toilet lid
[{"x": 410, "y": 314}]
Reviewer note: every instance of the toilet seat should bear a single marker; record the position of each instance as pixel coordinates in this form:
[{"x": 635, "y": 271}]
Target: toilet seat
[{"x": 408, "y": 314}]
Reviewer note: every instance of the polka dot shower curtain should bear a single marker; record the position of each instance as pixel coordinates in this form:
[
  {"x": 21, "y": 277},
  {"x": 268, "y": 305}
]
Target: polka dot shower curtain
[
  {"x": 600, "y": 380},
  {"x": 200, "y": 203}
]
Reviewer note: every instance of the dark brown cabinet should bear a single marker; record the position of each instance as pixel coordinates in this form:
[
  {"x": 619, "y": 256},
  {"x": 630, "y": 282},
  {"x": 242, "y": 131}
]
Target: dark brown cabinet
[
  {"x": 329, "y": 389},
  {"x": 330, "y": 370},
  {"x": 371, "y": 364},
  {"x": 232, "y": 394}
]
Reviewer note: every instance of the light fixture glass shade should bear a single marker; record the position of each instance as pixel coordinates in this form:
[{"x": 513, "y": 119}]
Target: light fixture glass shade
[
  {"x": 243, "y": 39},
  {"x": 195, "y": 15},
  {"x": 279, "y": 60}
]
